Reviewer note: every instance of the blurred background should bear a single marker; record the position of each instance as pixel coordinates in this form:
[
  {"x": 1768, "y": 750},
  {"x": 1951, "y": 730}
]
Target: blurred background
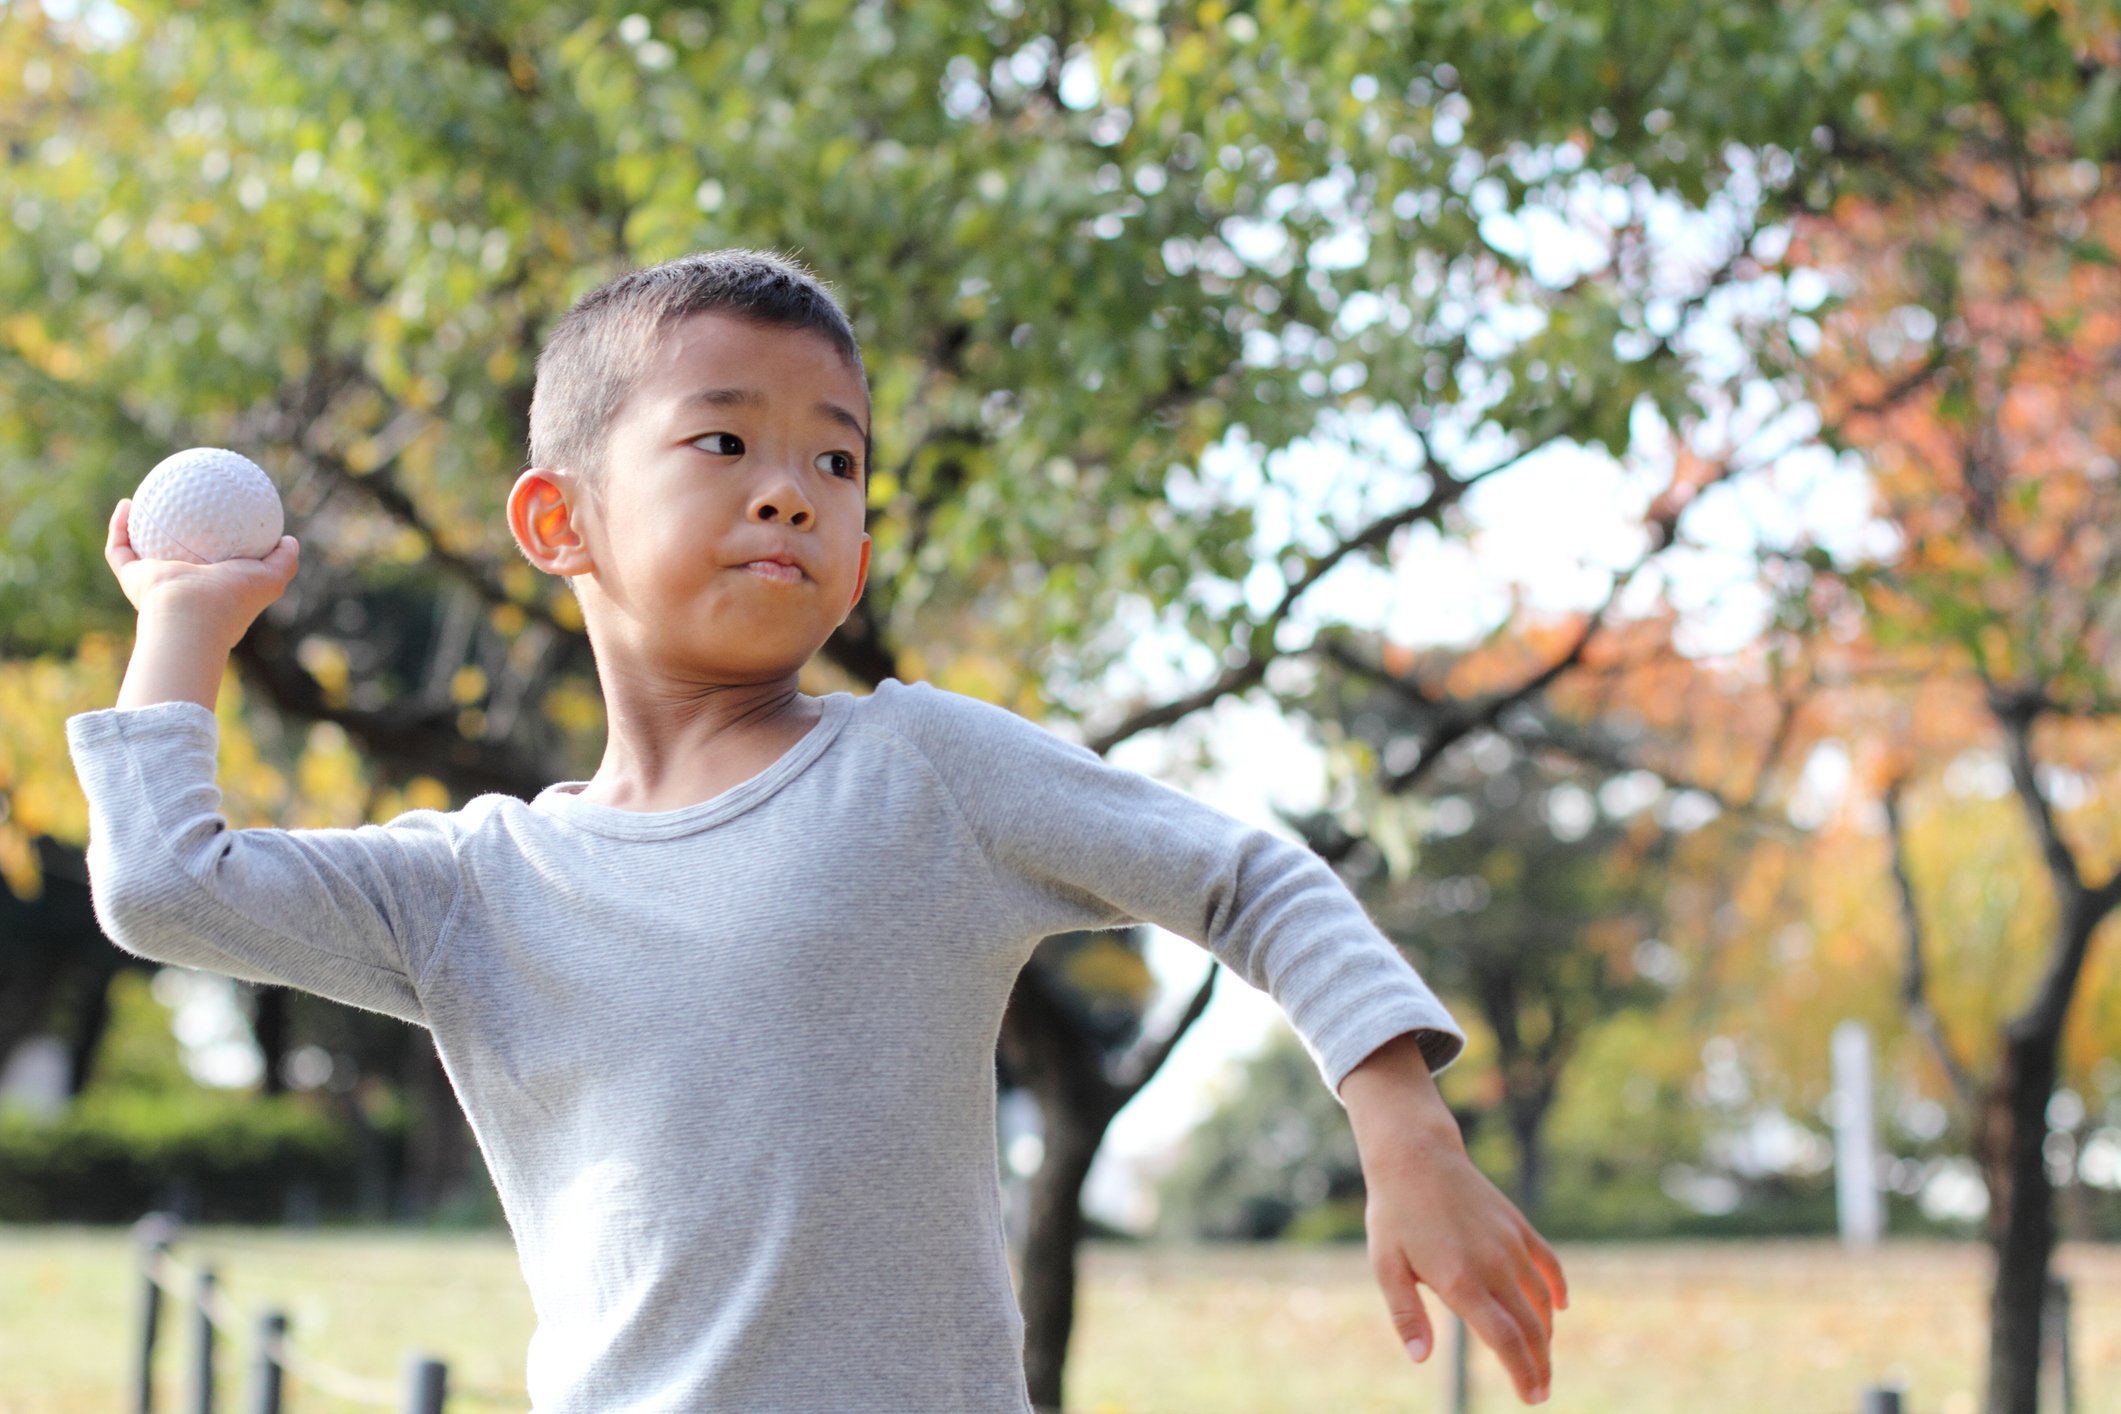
[{"x": 1631, "y": 485}]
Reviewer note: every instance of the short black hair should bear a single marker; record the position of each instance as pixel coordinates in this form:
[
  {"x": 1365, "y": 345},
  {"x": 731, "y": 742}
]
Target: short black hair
[{"x": 594, "y": 356}]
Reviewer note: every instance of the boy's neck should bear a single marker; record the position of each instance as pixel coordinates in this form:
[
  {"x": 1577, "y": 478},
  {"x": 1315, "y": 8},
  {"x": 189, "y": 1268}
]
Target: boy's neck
[{"x": 667, "y": 747}]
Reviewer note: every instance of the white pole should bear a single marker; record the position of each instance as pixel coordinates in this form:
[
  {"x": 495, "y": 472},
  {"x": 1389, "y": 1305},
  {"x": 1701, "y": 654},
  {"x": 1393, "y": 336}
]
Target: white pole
[{"x": 1855, "y": 1139}]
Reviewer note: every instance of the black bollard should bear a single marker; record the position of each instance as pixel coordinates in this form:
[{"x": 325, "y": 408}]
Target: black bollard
[
  {"x": 1881, "y": 1400},
  {"x": 203, "y": 1324},
  {"x": 150, "y": 1321},
  {"x": 1461, "y": 1376},
  {"x": 2055, "y": 1319},
  {"x": 265, "y": 1386},
  {"x": 153, "y": 1233},
  {"x": 426, "y": 1384}
]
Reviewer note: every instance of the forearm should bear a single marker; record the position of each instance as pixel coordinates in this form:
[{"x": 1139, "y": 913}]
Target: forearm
[{"x": 174, "y": 659}]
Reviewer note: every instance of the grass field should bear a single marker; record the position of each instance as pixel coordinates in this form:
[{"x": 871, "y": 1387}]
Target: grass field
[{"x": 1729, "y": 1328}]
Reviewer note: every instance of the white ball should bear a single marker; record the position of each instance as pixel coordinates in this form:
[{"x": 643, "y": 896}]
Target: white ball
[{"x": 205, "y": 505}]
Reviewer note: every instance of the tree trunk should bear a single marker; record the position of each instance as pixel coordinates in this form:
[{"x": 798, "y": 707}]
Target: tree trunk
[
  {"x": 1064, "y": 1069},
  {"x": 86, "y": 1039},
  {"x": 437, "y": 1142},
  {"x": 2021, "y": 1222},
  {"x": 1528, "y": 1117},
  {"x": 1052, "y": 1236},
  {"x": 268, "y": 1024}
]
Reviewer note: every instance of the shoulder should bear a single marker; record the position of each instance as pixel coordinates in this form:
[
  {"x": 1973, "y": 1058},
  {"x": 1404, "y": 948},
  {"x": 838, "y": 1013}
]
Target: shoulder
[
  {"x": 482, "y": 814},
  {"x": 938, "y": 722}
]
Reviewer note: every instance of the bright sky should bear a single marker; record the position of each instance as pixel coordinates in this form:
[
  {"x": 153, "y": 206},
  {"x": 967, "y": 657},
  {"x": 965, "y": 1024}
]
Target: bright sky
[{"x": 1553, "y": 527}]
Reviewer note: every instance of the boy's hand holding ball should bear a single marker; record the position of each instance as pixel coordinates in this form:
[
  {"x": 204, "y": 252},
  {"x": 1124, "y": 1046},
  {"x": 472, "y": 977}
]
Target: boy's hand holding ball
[{"x": 200, "y": 545}]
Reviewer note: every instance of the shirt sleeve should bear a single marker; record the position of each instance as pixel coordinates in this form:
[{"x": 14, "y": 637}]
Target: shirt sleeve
[
  {"x": 355, "y": 915},
  {"x": 1078, "y": 843}
]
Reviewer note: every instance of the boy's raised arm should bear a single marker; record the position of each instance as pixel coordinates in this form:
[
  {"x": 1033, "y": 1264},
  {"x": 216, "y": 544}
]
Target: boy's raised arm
[
  {"x": 354, "y": 915},
  {"x": 191, "y": 616}
]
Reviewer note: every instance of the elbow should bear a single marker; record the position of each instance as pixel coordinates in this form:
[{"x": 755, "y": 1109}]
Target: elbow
[
  {"x": 145, "y": 901},
  {"x": 141, "y": 916}
]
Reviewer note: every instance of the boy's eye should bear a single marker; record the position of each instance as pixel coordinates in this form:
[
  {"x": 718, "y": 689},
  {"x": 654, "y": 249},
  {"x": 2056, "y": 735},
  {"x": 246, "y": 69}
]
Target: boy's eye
[{"x": 843, "y": 464}]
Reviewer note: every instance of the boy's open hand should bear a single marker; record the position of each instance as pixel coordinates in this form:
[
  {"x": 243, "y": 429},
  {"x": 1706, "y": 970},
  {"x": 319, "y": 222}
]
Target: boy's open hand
[
  {"x": 219, "y": 600},
  {"x": 1434, "y": 1218}
]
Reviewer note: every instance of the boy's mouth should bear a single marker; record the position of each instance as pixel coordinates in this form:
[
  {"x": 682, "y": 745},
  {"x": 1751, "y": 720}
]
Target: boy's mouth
[{"x": 776, "y": 570}]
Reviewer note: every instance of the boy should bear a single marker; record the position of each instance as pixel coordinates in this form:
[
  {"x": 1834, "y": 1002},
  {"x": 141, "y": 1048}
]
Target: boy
[{"x": 723, "y": 1017}]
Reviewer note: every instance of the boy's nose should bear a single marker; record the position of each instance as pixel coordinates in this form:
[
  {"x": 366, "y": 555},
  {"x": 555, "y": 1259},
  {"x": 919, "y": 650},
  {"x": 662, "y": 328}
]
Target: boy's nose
[
  {"x": 781, "y": 501},
  {"x": 773, "y": 510}
]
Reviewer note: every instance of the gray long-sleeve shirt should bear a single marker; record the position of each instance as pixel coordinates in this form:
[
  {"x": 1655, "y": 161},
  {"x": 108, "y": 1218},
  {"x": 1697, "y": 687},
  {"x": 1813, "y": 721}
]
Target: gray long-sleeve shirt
[{"x": 732, "y": 1066}]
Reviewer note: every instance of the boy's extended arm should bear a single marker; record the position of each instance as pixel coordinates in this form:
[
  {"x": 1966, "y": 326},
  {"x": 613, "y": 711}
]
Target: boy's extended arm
[
  {"x": 1075, "y": 843},
  {"x": 1078, "y": 843},
  {"x": 355, "y": 915},
  {"x": 1432, "y": 1217}
]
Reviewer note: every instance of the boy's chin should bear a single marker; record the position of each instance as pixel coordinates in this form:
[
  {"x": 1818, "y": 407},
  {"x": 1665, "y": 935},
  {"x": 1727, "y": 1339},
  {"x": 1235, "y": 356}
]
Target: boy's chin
[{"x": 708, "y": 665}]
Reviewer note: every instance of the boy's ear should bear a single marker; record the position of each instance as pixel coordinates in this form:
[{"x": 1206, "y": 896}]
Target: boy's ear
[
  {"x": 861, "y": 577},
  {"x": 541, "y": 516}
]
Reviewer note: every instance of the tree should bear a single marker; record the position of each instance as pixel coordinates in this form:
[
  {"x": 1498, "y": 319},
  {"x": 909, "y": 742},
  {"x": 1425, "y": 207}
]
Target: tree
[
  {"x": 1999, "y": 477},
  {"x": 1947, "y": 165},
  {"x": 1083, "y": 248}
]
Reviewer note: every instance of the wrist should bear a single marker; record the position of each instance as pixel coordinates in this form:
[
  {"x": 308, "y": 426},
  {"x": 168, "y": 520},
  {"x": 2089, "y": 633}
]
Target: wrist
[
  {"x": 176, "y": 658},
  {"x": 170, "y": 619},
  {"x": 1393, "y": 1103}
]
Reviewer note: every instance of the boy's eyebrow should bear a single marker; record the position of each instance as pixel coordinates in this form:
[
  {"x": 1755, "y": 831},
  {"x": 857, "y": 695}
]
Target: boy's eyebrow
[{"x": 752, "y": 397}]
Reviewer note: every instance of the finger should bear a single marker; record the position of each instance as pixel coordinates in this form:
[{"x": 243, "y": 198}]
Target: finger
[
  {"x": 1532, "y": 1281},
  {"x": 118, "y": 544},
  {"x": 1550, "y": 1266},
  {"x": 1513, "y": 1333},
  {"x": 1499, "y": 1330},
  {"x": 1410, "y": 1319},
  {"x": 284, "y": 556}
]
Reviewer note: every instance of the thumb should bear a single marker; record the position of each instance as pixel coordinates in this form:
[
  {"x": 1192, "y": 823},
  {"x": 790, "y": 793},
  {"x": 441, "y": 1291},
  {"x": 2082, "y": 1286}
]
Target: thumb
[{"x": 1403, "y": 1300}]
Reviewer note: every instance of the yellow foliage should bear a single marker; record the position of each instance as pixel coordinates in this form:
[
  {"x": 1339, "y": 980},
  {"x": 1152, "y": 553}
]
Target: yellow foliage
[
  {"x": 1104, "y": 966},
  {"x": 574, "y": 707},
  {"x": 467, "y": 685},
  {"x": 325, "y": 660},
  {"x": 330, "y": 778},
  {"x": 364, "y": 456},
  {"x": 976, "y": 676},
  {"x": 426, "y": 793},
  {"x": 407, "y": 546},
  {"x": 18, "y": 862},
  {"x": 252, "y": 791},
  {"x": 42, "y": 794}
]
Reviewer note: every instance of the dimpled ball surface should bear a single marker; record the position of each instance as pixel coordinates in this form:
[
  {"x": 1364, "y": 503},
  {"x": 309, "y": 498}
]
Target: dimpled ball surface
[{"x": 205, "y": 505}]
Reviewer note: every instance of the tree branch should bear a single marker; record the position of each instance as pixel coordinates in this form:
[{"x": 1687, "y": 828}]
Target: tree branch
[
  {"x": 411, "y": 737},
  {"x": 1141, "y": 1065},
  {"x": 1259, "y": 647},
  {"x": 1459, "y": 720},
  {"x": 1914, "y": 989},
  {"x": 2015, "y": 713}
]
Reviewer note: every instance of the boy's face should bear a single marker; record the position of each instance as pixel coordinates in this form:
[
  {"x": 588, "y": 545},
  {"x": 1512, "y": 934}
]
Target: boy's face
[{"x": 741, "y": 443}]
